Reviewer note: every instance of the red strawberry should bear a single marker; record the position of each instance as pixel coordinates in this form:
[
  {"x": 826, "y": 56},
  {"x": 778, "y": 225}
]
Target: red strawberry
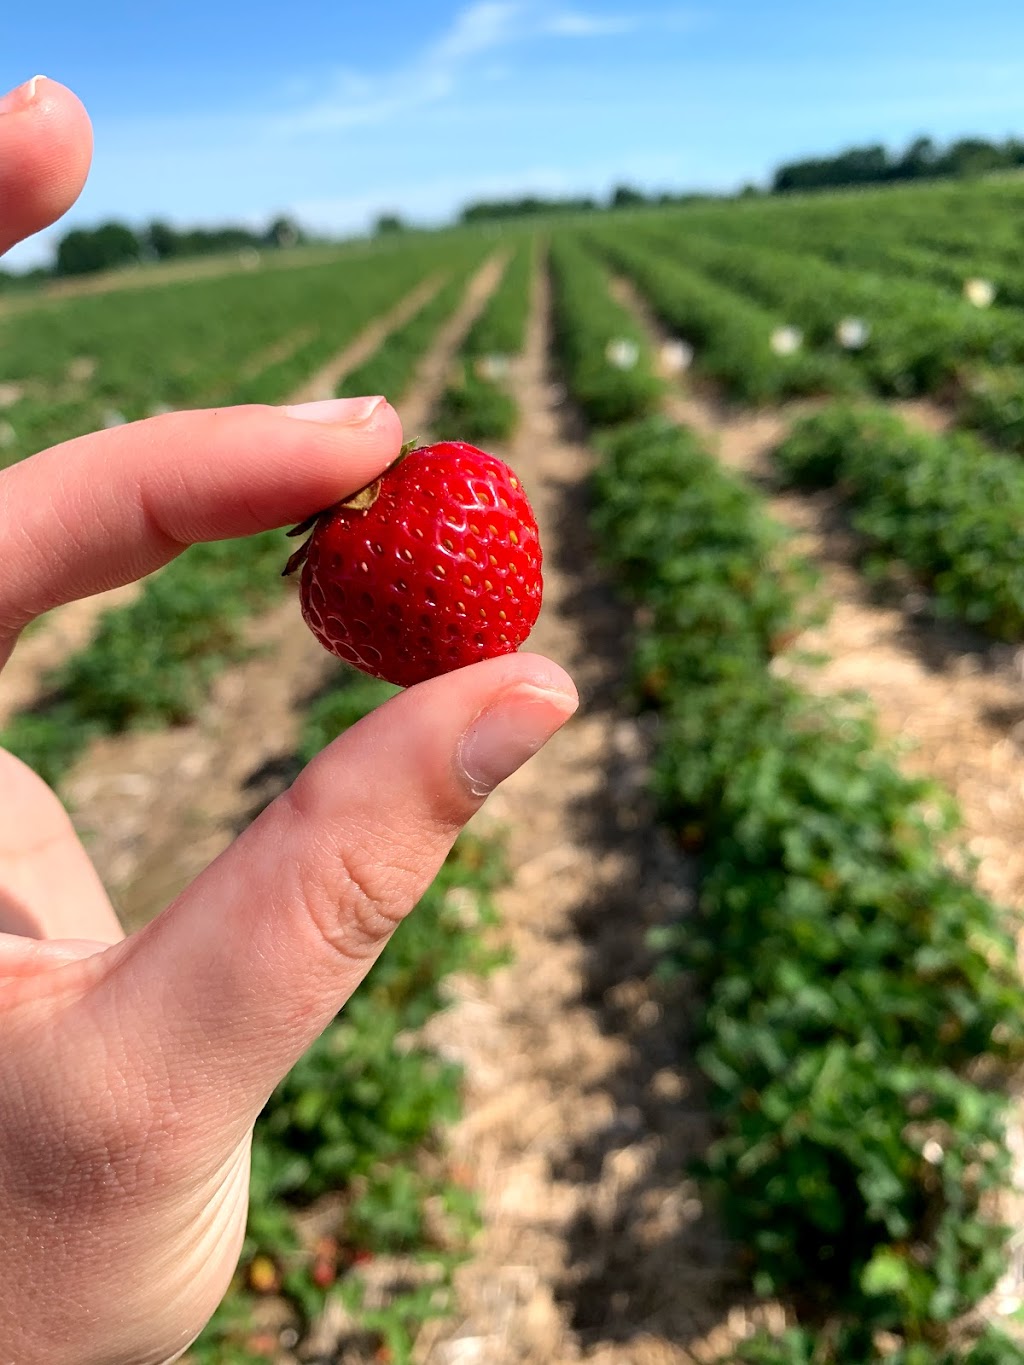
[{"x": 435, "y": 565}]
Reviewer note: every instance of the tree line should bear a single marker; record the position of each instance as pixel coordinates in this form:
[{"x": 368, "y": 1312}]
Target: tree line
[
  {"x": 923, "y": 159},
  {"x": 113, "y": 244}
]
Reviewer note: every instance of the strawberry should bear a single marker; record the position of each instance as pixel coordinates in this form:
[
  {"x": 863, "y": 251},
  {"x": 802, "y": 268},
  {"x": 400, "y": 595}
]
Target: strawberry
[{"x": 433, "y": 566}]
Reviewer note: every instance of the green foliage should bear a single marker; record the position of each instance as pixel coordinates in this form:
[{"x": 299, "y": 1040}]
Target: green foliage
[
  {"x": 474, "y": 409},
  {"x": 391, "y": 368},
  {"x": 992, "y": 402},
  {"x": 732, "y": 336},
  {"x": 587, "y": 322},
  {"x": 151, "y": 663},
  {"x": 500, "y": 328},
  {"x": 944, "y": 505},
  {"x": 922, "y": 158},
  {"x": 863, "y": 1005},
  {"x": 801, "y": 1347},
  {"x": 237, "y": 338},
  {"x": 476, "y": 406},
  {"x": 103, "y": 248}
]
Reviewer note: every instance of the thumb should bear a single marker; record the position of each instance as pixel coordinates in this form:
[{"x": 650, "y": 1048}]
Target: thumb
[{"x": 234, "y": 981}]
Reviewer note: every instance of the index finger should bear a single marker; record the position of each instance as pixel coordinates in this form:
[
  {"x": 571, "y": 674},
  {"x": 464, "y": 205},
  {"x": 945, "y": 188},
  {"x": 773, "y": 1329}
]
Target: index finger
[{"x": 107, "y": 508}]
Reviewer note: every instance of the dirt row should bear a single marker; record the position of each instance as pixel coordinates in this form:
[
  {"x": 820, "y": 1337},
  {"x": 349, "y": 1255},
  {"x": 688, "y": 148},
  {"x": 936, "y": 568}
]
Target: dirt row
[
  {"x": 951, "y": 699},
  {"x": 579, "y": 1120}
]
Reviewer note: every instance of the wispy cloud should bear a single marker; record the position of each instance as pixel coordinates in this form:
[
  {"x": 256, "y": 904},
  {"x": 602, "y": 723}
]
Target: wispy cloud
[
  {"x": 481, "y": 28},
  {"x": 574, "y": 24}
]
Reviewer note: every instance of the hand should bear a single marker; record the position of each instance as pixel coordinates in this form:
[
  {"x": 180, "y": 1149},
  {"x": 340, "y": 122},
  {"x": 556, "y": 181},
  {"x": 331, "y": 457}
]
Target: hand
[{"x": 132, "y": 1070}]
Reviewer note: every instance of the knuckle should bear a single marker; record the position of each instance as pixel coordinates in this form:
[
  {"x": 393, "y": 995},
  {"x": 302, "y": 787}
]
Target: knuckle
[{"x": 354, "y": 897}]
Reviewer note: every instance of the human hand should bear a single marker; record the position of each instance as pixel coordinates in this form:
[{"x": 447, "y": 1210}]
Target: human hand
[{"x": 132, "y": 1070}]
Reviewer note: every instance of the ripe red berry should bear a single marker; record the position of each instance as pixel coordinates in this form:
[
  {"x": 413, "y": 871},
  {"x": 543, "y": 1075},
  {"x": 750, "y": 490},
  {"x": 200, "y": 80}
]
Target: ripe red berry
[{"x": 436, "y": 565}]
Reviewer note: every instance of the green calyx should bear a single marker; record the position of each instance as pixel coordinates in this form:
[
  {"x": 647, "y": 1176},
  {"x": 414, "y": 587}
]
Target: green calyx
[{"x": 359, "y": 501}]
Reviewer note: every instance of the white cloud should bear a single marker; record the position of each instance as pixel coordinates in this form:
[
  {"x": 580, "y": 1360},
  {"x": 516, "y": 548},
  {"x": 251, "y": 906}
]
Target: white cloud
[
  {"x": 485, "y": 26},
  {"x": 479, "y": 28},
  {"x": 573, "y": 24}
]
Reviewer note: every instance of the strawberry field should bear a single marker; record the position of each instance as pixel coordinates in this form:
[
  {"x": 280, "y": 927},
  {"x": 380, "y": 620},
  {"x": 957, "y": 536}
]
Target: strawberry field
[{"x": 706, "y": 1044}]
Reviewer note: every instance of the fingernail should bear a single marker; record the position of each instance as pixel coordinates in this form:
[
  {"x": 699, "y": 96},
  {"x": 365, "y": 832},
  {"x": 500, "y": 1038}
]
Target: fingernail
[
  {"x": 349, "y": 411},
  {"x": 509, "y": 732},
  {"x": 20, "y": 96}
]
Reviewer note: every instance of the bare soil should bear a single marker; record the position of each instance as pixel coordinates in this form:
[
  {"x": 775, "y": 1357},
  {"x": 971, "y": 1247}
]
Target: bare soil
[
  {"x": 950, "y": 698},
  {"x": 581, "y": 1108}
]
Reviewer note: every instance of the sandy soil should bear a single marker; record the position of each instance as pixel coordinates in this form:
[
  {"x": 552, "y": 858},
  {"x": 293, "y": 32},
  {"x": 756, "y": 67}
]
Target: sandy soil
[
  {"x": 579, "y": 1117},
  {"x": 950, "y": 697},
  {"x": 953, "y": 698}
]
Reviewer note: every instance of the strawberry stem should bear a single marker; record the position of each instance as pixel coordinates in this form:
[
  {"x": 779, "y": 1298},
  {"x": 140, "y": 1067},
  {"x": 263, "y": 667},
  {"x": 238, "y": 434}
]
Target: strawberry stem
[{"x": 359, "y": 501}]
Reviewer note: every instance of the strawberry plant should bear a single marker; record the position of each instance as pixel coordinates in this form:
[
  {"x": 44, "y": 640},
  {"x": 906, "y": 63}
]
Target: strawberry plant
[
  {"x": 601, "y": 348},
  {"x": 476, "y": 402},
  {"x": 946, "y": 506},
  {"x": 991, "y": 402},
  {"x": 731, "y": 335},
  {"x": 391, "y": 368},
  {"x": 76, "y": 364},
  {"x": 862, "y": 1007},
  {"x": 480, "y": 409}
]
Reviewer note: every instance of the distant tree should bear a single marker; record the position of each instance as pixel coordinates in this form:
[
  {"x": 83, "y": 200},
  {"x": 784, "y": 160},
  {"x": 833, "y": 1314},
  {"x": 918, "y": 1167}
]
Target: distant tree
[
  {"x": 920, "y": 159},
  {"x": 388, "y": 223},
  {"x": 82, "y": 251},
  {"x": 874, "y": 165},
  {"x": 283, "y": 232},
  {"x": 161, "y": 241},
  {"x": 972, "y": 156},
  {"x": 625, "y": 197},
  {"x": 521, "y": 208}
]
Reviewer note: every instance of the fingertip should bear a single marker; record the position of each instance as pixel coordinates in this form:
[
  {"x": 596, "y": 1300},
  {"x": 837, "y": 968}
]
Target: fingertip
[
  {"x": 538, "y": 671},
  {"x": 46, "y": 143}
]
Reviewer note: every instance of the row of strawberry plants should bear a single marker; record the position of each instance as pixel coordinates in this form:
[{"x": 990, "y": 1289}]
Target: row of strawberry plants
[
  {"x": 477, "y": 403},
  {"x": 352, "y": 1196},
  {"x": 990, "y": 400},
  {"x": 946, "y": 506},
  {"x": 887, "y": 237},
  {"x": 391, "y": 368},
  {"x": 72, "y": 367},
  {"x": 965, "y": 222},
  {"x": 151, "y": 662},
  {"x": 861, "y": 1005},
  {"x": 600, "y": 345},
  {"x": 732, "y": 336},
  {"x": 916, "y": 335}
]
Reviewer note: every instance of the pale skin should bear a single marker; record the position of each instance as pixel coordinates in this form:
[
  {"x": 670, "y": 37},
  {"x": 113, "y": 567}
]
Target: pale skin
[{"x": 132, "y": 1069}]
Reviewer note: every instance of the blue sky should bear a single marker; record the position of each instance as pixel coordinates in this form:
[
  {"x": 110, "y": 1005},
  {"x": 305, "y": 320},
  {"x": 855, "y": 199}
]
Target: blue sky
[{"x": 208, "y": 112}]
